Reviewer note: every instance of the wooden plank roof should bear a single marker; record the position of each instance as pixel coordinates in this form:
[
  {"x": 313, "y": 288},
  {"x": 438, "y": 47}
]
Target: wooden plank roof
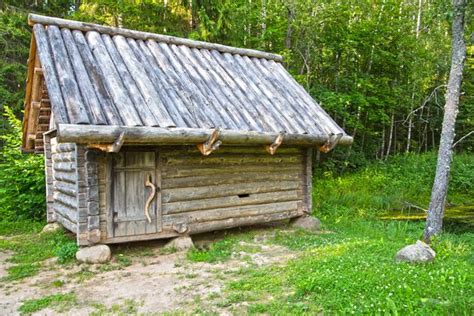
[{"x": 98, "y": 75}]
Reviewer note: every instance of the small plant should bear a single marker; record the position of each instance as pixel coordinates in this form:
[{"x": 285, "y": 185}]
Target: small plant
[
  {"x": 59, "y": 302},
  {"x": 67, "y": 252}
]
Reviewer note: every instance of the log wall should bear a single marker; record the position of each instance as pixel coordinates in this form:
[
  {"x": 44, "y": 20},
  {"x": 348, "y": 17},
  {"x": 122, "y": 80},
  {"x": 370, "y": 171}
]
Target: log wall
[
  {"x": 234, "y": 186},
  {"x": 62, "y": 183}
]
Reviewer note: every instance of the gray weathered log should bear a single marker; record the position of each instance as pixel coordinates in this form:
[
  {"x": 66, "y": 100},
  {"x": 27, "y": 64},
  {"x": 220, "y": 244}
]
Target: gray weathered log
[
  {"x": 229, "y": 201},
  {"x": 230, "y": 212},
  {"x": 50, "y": 74},
  {"x": 154, "y": 135},
  {"x": 85, "y": 27},
  {"x": 184, "y": 194}
]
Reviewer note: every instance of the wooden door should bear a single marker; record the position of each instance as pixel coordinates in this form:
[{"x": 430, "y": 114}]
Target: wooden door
[{"x": 135, "y": 193}]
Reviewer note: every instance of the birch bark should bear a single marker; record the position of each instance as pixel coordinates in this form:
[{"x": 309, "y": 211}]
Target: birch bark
[{"x": 434, "y": 221}]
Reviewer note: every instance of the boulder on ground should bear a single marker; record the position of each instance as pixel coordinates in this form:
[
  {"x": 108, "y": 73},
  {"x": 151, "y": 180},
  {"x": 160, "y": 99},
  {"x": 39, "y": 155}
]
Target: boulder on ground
[
  {"x": 307, "y": 223},
  {"x": 51, "y": 227},
  {"x": 418, "y": 252},
  {"x": 180, "y": 243},
  {"x": 94, "y": 254}
]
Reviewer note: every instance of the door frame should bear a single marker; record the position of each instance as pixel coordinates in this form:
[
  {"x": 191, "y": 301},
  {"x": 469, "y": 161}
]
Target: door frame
[{"x": 109, "y": 188}]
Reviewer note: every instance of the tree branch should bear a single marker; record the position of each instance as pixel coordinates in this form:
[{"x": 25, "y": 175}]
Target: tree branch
[{"x": 462, "y": 138}]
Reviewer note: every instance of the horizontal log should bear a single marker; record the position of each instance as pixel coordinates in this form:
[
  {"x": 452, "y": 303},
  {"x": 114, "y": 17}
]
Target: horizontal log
[
  {"x": 191, "y": 170},
  {"x": 70, "y": 177},
  {"x": 66, "y": 188},
  {"x": 64, "y": 199},
  {"x": 186, "y": 194},
  {"x": 202, "y": 227},
  {"x": 66, "y": 156},
  {"x": 231, "y": 160},
  {"x": 168, "y": 151},
  {"x": 88, "y": 134},
  {"x": 86, "y": 27},
  {"x": 64, "y": 166},
  {"x": 65, "y": 212},
  {"x": 228, "y": 201},
  {"x": 65, "y": 147},
  {"x": 242, "y": 177},
  {"x": 229, "y": 212},
  {"x": 66, "y": 223}
]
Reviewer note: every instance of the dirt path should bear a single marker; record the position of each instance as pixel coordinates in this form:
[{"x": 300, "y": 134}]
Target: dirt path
[{"x": 141, "y": 283}]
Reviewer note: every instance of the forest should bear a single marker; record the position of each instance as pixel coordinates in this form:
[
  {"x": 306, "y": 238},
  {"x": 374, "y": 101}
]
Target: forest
[{"x": 379, "y": 68}]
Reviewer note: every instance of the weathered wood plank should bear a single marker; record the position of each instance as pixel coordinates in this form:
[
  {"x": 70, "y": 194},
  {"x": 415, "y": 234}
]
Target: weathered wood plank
[
  {"x": 113, "y": 82},
  {"x": 83, "y": 80},
  {"x": 44, "y": 52},
  {"x": 192, "y": 170},
  {"x": 66, "y": 188},
  {"x": 231, "y": 159},
  {"x": 237, "y": 178},
  {"x": 230, "y": 212},
  {"x": 184, "y": 194},
  {"x": 136, "y": 65},
  {"x": 229, "y": 201},
  {"x": 71, "y": 95},
  {"x": 64, "y": 157},
  {"x": 70, "y": 177},
  {"x": 65, "y": 199},
  {"x": 201, "y": 227},
  {"x": 67, "y": 223},
  {"x": 146, "y": 113},
  {"x": 83, "y": 134},
  {"x": 106, "y": 105}
]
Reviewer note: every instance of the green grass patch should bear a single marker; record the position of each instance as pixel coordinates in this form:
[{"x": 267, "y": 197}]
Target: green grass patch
[
  {"x": 220, "y": 250},
  {"x": 29, "y": 250},
  {"x": 8, "y": 228},
  {"x": 58, "y": 302},
  {"x": 353, "y": 271}
]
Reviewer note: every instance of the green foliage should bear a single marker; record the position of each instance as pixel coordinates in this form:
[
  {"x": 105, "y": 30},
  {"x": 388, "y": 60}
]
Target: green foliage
[
  {"x": 29, "y": 250},
  {"x": 22, "y": 195},
  {"x": 388, "y": 185},
  {"x": 8, "y": 228},
  {"x": 352, "y": 270},
  {"x": 218, "y": 251},
  {"x": 58, "y": 302},
  {"x": 221, "y": 250},
  {"x": 66, "y": 252}
]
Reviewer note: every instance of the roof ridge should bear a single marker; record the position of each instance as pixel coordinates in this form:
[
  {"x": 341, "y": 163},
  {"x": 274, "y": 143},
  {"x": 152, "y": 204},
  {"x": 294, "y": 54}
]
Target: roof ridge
[{"x": 84, "y": 26}]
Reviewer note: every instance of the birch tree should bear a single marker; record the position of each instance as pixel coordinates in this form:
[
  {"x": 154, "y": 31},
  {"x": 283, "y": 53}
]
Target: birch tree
[{"x": 434, "y": 221}]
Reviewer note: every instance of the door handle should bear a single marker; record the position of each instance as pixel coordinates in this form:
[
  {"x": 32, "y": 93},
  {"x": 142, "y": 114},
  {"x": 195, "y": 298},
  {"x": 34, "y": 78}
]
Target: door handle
[{"x": 150, "y": 184}]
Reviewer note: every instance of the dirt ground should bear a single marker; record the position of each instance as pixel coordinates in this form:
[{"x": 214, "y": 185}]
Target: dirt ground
[{"x": 150, "y": 282}]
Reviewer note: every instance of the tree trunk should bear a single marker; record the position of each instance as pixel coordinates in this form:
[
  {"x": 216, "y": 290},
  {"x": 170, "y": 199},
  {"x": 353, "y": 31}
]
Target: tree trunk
[
  {"x": 390, "y": 137},
  {"x": 434, "y": 221}
]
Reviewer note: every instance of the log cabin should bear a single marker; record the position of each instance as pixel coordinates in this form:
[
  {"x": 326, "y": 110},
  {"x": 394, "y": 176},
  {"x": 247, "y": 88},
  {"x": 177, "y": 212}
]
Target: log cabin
[{"x": 149, "y": 136}]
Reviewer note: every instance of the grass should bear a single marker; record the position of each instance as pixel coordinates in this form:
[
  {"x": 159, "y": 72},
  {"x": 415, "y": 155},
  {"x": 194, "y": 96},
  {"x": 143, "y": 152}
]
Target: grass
[
  {"x": 221, "y": 250},
  {"x": 30, "y": 249},
  {"x": 353, "y": 271},
  {"x": 58, "y": 302}
]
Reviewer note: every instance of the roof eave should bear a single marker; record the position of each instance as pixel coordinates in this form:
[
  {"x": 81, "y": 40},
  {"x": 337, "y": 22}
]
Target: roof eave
[{"x": 104, "y": 134}]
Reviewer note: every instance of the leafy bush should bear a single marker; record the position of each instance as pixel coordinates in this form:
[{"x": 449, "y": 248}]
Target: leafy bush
[
  {"x": 22, "y": 195},
  {"x": 390, "y": 185}
]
